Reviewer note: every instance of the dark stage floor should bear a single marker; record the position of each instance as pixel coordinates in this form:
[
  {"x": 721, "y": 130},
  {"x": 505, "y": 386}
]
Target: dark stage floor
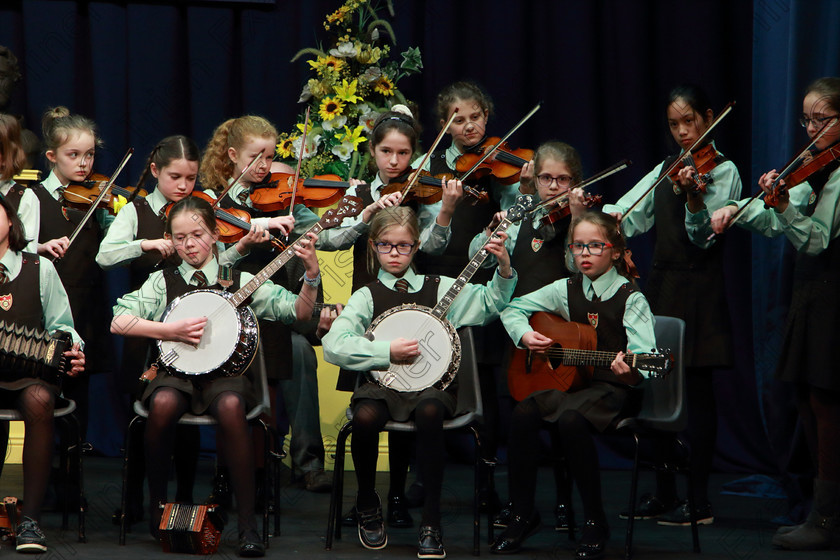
[{"x": 742, "y": 529}]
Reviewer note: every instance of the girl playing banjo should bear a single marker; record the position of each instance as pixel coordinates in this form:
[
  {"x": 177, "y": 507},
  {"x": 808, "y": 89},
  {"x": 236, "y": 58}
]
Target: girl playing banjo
[{"x": 394, "y": 241}]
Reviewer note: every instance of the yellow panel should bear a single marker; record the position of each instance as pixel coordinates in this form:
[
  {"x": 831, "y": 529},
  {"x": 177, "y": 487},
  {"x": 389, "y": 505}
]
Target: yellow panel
[{"x": 15, "y": 451}]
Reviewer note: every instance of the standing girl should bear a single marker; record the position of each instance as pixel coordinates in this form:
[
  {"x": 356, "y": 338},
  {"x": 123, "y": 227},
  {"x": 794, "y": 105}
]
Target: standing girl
[
  {"x": 394, "y": 241},
  {"x": 809, "y": 216},
  {"x": 226, "y": 399},
  {"x": 603, "y": 288},
  {"x": 687, "y": 282},
  {"x": 34, "y": 298}
]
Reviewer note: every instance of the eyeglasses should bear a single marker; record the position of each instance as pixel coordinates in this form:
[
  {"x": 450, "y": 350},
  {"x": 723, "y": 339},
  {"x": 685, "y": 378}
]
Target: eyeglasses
[
  {"x": 816, "y": 121},
  {"x": 545, "y": 180},
  {"x": 595, "y": 248},
  {"x": 402, "y": 248}
]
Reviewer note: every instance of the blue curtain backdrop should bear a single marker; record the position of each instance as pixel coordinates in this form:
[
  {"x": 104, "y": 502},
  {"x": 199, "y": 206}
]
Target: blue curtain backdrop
[{"x": 145, "y": 70}]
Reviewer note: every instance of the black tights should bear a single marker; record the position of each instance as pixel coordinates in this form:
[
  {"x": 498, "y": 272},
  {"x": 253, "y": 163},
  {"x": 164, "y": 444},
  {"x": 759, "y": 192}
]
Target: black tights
[
  {"x": 36, "y": 404},
  {"x": 700, "y": 434},
  {"x": 369, "y": 418},
  {"x": 574, "y": 436},
  {"x": 819, "y": 410},
  {"x": 166, "y": 406}
]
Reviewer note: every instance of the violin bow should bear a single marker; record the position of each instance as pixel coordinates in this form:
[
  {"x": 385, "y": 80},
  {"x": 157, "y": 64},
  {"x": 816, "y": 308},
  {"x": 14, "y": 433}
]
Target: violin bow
[
  {"x": 791, "y": 165},
  {"x": 416, "y": 174},
  {"x": 489, "y": 152},
  {"x": 614, "y": 168},
  {"x": 700, "y": 139},
  {"x": 105, "y": 190},
  {"x": 300, "y": 161},
  {"x": 230, "y": 185}
]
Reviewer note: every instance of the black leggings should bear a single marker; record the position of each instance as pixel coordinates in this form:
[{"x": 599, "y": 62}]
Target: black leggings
[
  {"x": 573, "y": 433},
  {"x": 369, "y": 418},
  {"x": 819, "y": 410},
  {"x": 166, "y": 406}
]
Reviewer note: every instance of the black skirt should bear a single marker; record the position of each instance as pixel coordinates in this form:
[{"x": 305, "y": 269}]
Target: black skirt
[
  {"x": 401, "y": 405},
  {"x": 600, "y": 403}
]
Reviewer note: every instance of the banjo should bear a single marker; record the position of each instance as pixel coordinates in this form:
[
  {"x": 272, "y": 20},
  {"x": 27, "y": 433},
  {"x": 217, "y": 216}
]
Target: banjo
[
  {"x": 440, "y": 346},
  {"x": 232, "y": 334}
]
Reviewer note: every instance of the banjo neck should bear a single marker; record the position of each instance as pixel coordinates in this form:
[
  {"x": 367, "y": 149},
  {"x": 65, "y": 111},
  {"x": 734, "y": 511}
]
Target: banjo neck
[
  {"x": 466, "y": 275},
  {"x": 279, "y": 261}
]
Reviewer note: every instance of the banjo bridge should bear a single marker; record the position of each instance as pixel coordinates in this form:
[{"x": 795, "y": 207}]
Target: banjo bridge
[{"x": 169, "y": 357}]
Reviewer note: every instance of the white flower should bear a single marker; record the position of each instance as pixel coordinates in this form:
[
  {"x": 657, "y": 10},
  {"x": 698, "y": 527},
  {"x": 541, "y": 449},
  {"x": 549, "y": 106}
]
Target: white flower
[
  {"x": 368, "y": 119},
  {"x": 336, "y": 123},
  {"x": 364, "y": 108},
  {"x": 371, "y": 74},
  {"x": 311, "y": 146},
  {"x": 345, "y": 50},
  {"x": 305, "y": 94},
  {"x": 343, "y": 150}
]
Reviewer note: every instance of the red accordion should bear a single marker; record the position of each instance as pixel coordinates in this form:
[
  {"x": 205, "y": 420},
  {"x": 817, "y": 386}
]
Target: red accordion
[{"x": 190, "y": 528}]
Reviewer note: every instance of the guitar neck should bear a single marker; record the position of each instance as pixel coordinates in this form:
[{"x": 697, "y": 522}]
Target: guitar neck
[
  {"x": 279, "y": 261},
  {"x": 466, "y": 275},
  {"x": 575, "y": 357},
  {"x": 318, "y": 306}
]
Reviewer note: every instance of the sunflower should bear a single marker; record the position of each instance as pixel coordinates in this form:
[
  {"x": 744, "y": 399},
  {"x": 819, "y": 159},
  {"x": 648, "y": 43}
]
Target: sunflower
[
  {"x": 385, "y": 86},
  {"x": 330, "y": 108},
  {"x": 284, "y": 148},
  {"x": 326, "y": 64}
]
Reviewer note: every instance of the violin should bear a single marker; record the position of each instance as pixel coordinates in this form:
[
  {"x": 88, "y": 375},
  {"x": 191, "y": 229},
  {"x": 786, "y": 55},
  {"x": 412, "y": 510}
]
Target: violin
[
  {"x": 232, "y": 223},
  {"x": 703, "y": 160},
  {"x": 505, "y": 164},
  {"x": 429, "y": 188},
  {"x": 800, "y": 174},
  {"x": 276, "y": 193},
  {"x": 81, "y": 194},
  {"x": 562, "y": 210}
]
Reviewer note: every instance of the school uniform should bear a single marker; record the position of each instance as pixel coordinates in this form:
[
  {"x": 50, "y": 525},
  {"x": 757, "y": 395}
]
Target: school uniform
[
  {"x": 686, "y": 280},
  {"x": 623, "y": 322},
  {"x": 346, "y": 346},
  {"x": 27, "y": 206},
  {"x": 811, "y": 222},
  {"x": 32, "y": 296},
  {"x": 150, "y": 300}
]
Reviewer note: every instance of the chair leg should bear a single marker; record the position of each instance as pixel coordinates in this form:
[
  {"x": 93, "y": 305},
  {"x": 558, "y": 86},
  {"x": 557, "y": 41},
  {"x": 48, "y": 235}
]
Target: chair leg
[
  {"x": 692, "y": 506},
  {"x": 266, "y": 501},
  {"x": 334, "y": 521},
  {"x": 64, "y": 469},
  {"x": 137, "y": 420},
  {"x": 634, "y": 482},
  {"x": 276, "y": 460},
  {"x": 78, "y": 457}
]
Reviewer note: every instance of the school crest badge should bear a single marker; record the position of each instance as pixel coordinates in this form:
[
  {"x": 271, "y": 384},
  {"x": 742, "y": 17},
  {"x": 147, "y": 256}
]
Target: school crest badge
[
  {"x": 813, "y": 198},
  {"x": 6, "y": 302},
  {"x": 593, "y": 319},
  {"x": 536, "y": 244}
]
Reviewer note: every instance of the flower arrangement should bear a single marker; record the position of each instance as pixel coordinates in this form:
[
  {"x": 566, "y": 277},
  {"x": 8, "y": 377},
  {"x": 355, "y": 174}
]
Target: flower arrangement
[{"x": 354, "y": 82}]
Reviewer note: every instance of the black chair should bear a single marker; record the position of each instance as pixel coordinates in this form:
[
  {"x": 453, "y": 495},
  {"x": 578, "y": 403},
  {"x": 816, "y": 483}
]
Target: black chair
[
  {"x": 663, "y": 416},
  {"x": 254, "y": 417},
  {"x": 468, "y": 416},
  {"x": 70, "y": 456}
]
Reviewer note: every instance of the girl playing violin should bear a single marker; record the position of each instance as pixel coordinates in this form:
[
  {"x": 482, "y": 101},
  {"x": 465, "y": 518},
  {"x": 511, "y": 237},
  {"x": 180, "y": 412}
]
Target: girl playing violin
[
  {"x": 23, "y": 200},
  {"x": 38, "y": 301},
  {"x": 687, "y": 282},
  {"x": 71, "y": 142},
  {"x": 227, "y": 399},
  {"x": 809, "y": 216},
  {"x": 394, "y": 242},
  {"x": 602, "y": 287}
]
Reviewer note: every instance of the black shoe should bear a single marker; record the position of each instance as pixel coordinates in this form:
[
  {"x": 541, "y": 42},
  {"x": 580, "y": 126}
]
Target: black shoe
[
  {"x": 519, "y": 529},
  {"x": 564, "y": 517},
  {"x": 251, "y": 545},
  {"x": 398, "y": 516},
  {"x": 318, "y": 481},
  {"x": 415, "y": 495},
  {"x": 372, "y": 532},
  {"x": 350, "y": 519},
  {"x": 650, "y": 507},
  {"x": 502, "y": 519},
  {"x": 680, "y": 517},
  {"x": 29, "y": 537},
  {"x": 593, "y": 541},
  {"x": 221, "y": 494},
  {"x": 431, "y": 543}
]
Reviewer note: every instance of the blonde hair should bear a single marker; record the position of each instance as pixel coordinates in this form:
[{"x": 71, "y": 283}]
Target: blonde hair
[
  {"x": 58, "y": 126},
  {"x": 384, "y": 220},
  {"x": 216, "y": 167},
  {"x": 562, "y": 153},
  {"x": 12, "y": 156}
]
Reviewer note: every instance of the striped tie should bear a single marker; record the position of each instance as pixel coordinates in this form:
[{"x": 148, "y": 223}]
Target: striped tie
[
  {"x": 401, "y": 286},
  {"x": 3, "y": 276},
  {"x": 199, "y": 279}
]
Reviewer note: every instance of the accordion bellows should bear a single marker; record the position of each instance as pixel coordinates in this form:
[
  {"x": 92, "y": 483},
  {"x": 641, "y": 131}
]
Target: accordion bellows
[
  {"x": 190, "y": 528},
  {"x": 26, "y": 352}
]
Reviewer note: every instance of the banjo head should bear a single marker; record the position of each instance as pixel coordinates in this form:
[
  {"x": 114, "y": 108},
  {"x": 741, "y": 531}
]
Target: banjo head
[
  {"x": 440, "y": 349},
  {"x": 229, "y": 342}
]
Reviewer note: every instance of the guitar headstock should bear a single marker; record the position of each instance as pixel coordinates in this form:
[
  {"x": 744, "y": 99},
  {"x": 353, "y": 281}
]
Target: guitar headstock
[
  {"x": 523, "y": 205},
  {"x": 657, "y": 364},
  {"x": 348, "y": 206}
]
